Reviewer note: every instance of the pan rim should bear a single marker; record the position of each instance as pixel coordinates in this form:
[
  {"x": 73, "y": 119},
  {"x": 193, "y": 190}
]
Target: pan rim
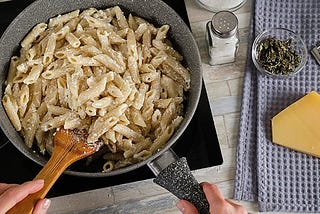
[{"x": 191, "y": 109}]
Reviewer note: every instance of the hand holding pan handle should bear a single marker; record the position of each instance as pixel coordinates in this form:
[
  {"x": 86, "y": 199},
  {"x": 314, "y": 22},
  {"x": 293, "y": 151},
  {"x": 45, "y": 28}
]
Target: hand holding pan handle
[{"x": 174, "y": 175}]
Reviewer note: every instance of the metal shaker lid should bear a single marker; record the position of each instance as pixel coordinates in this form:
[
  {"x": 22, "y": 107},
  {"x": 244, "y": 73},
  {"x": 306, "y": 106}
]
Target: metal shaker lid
[{"x": 224, "y": 24}]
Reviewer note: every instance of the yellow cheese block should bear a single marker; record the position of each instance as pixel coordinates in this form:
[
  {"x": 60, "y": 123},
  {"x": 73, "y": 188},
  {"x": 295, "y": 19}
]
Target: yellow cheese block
[{"x": 298, "y": 126}]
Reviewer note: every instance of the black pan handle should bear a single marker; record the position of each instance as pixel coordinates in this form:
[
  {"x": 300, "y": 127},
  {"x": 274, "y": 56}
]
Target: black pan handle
[{"x": 175, "y": 176}]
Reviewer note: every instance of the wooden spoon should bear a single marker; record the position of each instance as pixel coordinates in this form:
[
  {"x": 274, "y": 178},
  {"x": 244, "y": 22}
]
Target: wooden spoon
[{"x": 69, "y": 146}]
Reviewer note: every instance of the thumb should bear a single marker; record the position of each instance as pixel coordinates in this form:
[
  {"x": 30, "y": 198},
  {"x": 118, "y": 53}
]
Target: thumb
[
  {"x": 42, "y": 206},
  {"x": 186, "y": 207}
]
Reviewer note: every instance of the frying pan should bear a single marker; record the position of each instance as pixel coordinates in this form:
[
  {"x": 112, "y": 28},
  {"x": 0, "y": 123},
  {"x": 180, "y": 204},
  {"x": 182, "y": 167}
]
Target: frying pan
[{"x": 154, "y": 11}]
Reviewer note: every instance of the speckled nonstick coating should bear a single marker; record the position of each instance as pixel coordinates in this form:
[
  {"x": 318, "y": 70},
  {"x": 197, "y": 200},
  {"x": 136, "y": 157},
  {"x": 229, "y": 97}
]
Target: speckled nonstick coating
[
  {"x": 154, "y": 11},
  {"x": 178, "y": 179}
]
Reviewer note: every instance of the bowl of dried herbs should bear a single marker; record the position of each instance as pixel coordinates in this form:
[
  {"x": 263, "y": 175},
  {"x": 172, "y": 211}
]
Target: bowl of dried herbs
[{"x": 279, "y": 52}]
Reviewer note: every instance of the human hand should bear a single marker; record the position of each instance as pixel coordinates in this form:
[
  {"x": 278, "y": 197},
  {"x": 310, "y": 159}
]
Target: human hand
[
  {"x": 11, "y": 194},
  {"x": 218, "y": 204}
]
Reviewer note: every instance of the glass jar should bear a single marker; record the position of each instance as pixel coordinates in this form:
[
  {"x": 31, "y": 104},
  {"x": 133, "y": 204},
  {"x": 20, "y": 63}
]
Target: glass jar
[
  {"x": 220, "y": 5},
  {"x": 222, "y": 37}
]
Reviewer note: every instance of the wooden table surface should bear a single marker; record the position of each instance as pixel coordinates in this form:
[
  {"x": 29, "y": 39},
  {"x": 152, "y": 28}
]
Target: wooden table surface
[{"x": 224, "y": 87}]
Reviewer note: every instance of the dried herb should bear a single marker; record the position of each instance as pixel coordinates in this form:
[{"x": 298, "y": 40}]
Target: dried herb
[{"x": 277, "y": 56}]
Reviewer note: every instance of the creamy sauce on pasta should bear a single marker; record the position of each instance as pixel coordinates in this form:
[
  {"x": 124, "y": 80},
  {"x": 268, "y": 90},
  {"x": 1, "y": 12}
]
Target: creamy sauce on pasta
[{"x": 117, "y": 78}]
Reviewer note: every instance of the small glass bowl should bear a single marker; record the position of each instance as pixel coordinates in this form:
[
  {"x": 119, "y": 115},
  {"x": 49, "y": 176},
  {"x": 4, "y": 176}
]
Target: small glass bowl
[{"x": 297, "y": 45}]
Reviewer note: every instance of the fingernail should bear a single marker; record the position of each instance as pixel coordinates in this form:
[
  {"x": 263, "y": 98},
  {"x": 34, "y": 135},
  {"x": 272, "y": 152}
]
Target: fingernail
[
  {"x": 39, "y": 181},
  {"x": 46, "y": 204},
  {"x": 180, "y": 206}
]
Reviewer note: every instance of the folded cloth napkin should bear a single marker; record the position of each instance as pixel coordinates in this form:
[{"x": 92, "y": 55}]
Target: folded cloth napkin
[{"x": 278, "y": 178}]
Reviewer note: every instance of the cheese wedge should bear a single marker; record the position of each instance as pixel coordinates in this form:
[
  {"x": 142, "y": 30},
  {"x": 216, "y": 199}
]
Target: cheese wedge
[{"x": 298, "y": 126}]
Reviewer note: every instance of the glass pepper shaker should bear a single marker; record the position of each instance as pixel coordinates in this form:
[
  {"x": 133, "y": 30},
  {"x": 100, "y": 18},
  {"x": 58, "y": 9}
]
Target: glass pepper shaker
[{"x": 223, "y": 38}]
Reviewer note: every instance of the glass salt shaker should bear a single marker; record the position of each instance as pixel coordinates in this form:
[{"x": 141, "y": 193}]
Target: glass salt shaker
[
  {"x": 223, "y": 38},
  {"x": 220, "y": 5}
]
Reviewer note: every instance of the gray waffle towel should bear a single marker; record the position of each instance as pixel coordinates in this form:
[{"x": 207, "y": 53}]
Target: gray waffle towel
[{"x": 278, "y": 178}]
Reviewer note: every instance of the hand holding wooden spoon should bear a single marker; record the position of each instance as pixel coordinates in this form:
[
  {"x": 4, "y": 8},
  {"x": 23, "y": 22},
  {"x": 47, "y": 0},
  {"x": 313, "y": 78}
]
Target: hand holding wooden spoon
[{"x": 69, "y": 146}]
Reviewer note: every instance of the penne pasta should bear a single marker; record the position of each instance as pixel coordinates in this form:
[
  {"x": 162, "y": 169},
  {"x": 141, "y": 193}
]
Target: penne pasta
[
  {"x": 30, "y": 125},
  {"x": 34, "y": 74},
  {"x": 127, "y": 132},
  {"x": 61, "y": 19},
  {"x": 73, "y": 40},
  {"x": 11, "y": 107},
  {"x": 34, "y": 33},
  {"x": 100, "y": 126},
  {"x": 93, "y": 91},
  {"x": 162, "y": 139},
  {"x": 49, "y": 51},
  {"x": 121, "y": 19},
  {"x": 109, "y": 63},
  {"x": 132, "y": 22},
  {"x": 62, "y": 32},
  {"x": 117, "y": 77},
  {"x": 23, "y": 99},
  {"x": 162, "y": 32},
  {"x": 12, "y": 70}
]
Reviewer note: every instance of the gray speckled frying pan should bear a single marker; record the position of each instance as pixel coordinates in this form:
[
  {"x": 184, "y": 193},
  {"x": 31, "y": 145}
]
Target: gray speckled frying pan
[{"x": 155, "y": 11}]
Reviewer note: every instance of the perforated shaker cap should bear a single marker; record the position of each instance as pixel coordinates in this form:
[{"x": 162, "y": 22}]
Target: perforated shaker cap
[{"x": 224, "y": 24}]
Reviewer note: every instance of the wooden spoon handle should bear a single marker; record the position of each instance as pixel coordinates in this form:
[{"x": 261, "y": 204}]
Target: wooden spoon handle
[
  {"x": 69, "y": 146},
  {"x": 49, "y": 173}
]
